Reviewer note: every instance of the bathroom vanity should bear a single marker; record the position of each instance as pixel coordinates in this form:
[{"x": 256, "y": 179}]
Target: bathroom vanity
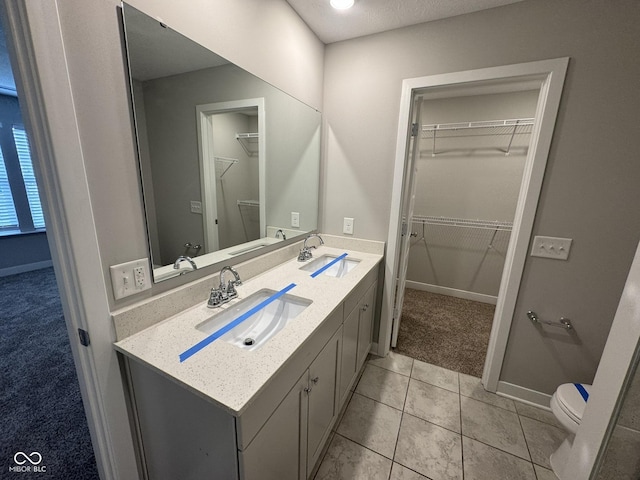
[{"x": 256, "y": 412}]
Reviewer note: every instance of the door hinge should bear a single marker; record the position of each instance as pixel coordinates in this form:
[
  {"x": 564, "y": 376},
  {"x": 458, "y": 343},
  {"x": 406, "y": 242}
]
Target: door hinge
[
  {"x": 216, "y": 221},
  {"x": 84, "y": 337},
  {"x": 395, "y": 313},
  {"x": 403, "y": 230},
  {"x": 414, "y": 129}
]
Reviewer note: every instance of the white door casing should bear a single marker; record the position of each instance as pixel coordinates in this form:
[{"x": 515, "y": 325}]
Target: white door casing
[{"x": 550, "y": 74}]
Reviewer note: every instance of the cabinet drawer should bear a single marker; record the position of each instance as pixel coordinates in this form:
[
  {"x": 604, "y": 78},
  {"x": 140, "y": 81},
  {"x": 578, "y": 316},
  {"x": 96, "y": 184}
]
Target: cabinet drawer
[{"x": 357, "y": 293}]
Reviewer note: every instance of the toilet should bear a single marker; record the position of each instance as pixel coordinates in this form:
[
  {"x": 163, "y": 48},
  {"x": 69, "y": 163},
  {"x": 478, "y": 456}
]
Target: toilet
[{"x": 567, "y": 404}]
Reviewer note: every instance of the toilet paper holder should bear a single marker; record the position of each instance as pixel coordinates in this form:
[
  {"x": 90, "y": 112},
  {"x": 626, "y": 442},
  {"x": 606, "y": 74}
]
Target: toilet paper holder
[{"x": 562, "y": 323}]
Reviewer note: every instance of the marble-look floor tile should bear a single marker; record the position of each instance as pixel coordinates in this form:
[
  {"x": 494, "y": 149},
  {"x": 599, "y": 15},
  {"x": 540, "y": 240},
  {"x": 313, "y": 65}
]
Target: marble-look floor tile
[
  {"x": 433, "y": 404},
  {"x": 395, "y": 362},
  {"x": 482, "y": 462},
  {"x": 384, "y": 386},
  {"x": 543, "y": 439},
  {"x": 371, "y": 424},
  {"x": 494, "y": 426},
  {"x": 429, "y": 449},
  {"x": 438, "y": 376},
  {"x": 537, "y": 413},
  {"x": 544, "y": 473},
  {"x": 621, "y": 458},
  {"x": 346, "y": 460},
  {"x": 472, "y": 387},
  {"x": 400, "y": 472}
]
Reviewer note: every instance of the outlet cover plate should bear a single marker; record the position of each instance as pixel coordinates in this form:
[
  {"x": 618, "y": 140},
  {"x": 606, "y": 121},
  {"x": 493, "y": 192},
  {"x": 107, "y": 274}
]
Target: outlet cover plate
[
  {"x": 347, "y": 226},
  {"x": 130, "y": 278},
  {"x": 551, "y": 247}
]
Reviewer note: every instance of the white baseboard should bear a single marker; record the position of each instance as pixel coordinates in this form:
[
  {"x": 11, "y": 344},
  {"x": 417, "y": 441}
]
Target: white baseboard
[
  {"x": 453, "y": 292},
  {"x": 524, "y": 395},
  {"x": 5, "y": 272}
]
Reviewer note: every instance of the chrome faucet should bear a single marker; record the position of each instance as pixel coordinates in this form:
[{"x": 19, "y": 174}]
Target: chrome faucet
[
  {"x": 280, "y": 232},
  {"x": 305, "y": 254},
  {"x": 184, "y": 258},
  {"x": 224, "y": 292}
]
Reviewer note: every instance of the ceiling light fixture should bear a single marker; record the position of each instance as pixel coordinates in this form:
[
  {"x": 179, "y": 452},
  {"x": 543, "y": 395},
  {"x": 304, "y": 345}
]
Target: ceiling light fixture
[{"x": 341, "y": 4}]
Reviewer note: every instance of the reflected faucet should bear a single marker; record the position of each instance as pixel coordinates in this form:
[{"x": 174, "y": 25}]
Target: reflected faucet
[
  {"x": 305, "y": 253},
  {"x": 184, "y": 258},
  {"x": 278, "y": 232},
  {"x": 224, "y": 292}
]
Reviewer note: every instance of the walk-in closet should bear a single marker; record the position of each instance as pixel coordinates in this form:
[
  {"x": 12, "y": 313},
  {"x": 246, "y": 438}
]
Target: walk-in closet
[{"x": 471, "y": 156}]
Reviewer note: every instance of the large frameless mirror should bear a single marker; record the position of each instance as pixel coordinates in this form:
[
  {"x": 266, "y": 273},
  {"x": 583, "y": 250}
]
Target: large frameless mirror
[{"x": 229, "y": 163}]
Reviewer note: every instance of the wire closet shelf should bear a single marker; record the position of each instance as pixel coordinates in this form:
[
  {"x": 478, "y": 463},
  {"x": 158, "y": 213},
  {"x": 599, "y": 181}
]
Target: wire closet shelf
[
  {"x": 223, "y": 164},
  {"x": 496, "y": 225},
  {"x": 508, "y": 127}
]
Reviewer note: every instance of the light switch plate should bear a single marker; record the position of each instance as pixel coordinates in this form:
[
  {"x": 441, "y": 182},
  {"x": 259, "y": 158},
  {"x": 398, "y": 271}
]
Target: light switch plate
[
  {"x": 295, "y": 219},
  {"x": 196, "y": 207},
  {"x": 551, "y": 247},
  {"x": 130, "y": 278}
]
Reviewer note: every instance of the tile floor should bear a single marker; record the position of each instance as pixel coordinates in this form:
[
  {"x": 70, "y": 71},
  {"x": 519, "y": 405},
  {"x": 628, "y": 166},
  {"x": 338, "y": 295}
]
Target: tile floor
[{"x": 408, "y": 420}]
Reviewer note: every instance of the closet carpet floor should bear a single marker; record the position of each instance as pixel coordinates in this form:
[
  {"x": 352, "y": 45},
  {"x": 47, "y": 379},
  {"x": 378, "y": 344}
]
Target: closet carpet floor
[{"x": 445, "y": 331}]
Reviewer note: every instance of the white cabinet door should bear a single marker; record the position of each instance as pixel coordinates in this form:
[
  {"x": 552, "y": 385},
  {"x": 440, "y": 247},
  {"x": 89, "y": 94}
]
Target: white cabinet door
[
  {"x": 322, "y": 393},
  {"x": 367, "y": 309},
  {"x": 278, "y": 451},
  {"x": 348, "y": 367}
]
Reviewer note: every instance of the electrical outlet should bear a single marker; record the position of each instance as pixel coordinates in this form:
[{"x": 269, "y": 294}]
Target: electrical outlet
[
  {"x": 196, "y": 207},
  {"x": 347, "y": 226},
  {"x": 295, "y": 219},
  {"x": 130, "y": 278},
  {"x": 551, "y": 247}
]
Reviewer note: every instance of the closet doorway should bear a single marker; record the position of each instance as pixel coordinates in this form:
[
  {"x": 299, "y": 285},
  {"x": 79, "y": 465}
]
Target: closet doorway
[
  {"x": 422, "y": 138},
  {"x": 470, "y": 155}
]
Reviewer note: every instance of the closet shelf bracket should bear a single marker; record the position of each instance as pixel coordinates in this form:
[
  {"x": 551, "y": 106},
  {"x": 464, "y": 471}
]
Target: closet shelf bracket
[{"x": 249, "y": 142}]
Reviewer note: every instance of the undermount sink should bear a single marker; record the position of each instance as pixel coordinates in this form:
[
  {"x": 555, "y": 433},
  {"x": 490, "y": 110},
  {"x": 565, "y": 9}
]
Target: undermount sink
[
  {"x": 259, "y": 326},
  {"x": 338, "y": 269}
]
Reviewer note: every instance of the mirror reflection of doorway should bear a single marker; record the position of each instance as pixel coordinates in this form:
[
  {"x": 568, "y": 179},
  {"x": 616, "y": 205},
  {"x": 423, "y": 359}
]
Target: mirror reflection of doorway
[{"x": 235, "y": 156}]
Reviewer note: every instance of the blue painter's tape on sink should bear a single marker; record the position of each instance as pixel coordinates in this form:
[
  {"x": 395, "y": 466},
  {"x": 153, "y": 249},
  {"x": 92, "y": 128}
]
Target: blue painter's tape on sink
[
  {"x": 231, "y": 325},
  {"x": 328, "y": 265}
]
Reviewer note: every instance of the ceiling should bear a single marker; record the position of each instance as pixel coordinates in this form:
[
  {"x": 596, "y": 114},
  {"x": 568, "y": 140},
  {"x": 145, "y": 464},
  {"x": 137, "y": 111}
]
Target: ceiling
[{"x": 374, "y": 16}]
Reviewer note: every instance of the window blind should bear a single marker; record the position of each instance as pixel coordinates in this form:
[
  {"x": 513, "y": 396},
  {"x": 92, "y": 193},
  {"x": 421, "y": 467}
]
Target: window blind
[
  {"x": 8, "y": 217},
  {"x": 28, "y": 175}
]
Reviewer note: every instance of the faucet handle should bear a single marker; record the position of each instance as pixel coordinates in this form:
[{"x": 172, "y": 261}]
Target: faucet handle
[
  {"x": 215, "y": 298},
  {"x": 231, "y": 289}
]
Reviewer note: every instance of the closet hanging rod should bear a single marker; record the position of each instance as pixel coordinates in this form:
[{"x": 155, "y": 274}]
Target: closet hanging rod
[
  {"x": 463, "y": 222},
  {"x": 249, "y": 203}
]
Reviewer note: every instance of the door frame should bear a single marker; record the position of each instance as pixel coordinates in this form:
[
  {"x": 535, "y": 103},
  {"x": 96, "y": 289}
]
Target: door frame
[
  {"x": 205, "y": 152},
  {"x": 551, "y": 74}
]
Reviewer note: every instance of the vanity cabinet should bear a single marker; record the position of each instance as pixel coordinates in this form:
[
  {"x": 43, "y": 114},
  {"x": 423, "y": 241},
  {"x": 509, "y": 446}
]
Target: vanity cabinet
[
  {"x": 281, "y": 433},
  {"x": 289, "y": 444}
]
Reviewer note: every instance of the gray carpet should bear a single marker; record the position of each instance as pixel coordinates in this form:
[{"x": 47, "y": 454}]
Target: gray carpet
[
  {"x": 39, "y": 393},
  {"x": 446, "y": 331}
]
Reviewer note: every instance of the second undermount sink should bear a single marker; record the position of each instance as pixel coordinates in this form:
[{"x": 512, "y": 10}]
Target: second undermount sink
[
  {"x": 337, "y": 269},
  {"x": 264, "y": 318}
]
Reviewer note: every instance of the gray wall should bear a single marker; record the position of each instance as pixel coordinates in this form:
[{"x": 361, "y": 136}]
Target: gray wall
[
  {"x": 17, "y": 252},
  {"x": 468, "y": 178},
  {"x": 590, "y": 191}
]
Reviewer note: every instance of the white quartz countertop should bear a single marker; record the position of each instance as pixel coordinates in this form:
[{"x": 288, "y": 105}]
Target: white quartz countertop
[{"x": 225, "y": 374}]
